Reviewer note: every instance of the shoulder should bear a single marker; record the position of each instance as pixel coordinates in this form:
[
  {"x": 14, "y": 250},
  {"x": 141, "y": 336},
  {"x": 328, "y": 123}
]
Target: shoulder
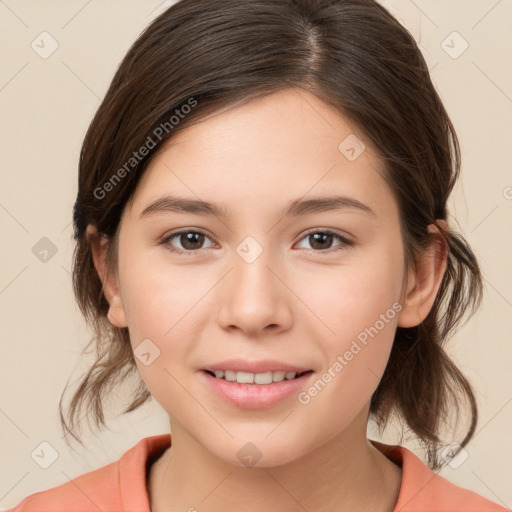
[
  {"x": 424, "y": 490},
  {"x": 118, "y": 486},
  {"x": 91, "y": 491}
]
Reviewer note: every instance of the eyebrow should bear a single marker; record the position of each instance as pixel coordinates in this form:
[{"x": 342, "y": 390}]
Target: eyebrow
[{"x": 294, "y": 208}]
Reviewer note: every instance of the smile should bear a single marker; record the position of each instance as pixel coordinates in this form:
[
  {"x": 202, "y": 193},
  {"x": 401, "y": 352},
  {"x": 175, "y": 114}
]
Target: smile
[
  {"x": 254, "y": 378},
  {"x": 247, "y": 390}
]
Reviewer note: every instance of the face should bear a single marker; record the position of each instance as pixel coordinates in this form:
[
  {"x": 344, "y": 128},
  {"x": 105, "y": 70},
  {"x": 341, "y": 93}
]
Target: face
[{"x": 276, "y": 280}]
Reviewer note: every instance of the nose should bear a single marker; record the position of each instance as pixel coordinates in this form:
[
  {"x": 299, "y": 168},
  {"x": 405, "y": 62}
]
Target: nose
[{"x": 254, "y": 297}]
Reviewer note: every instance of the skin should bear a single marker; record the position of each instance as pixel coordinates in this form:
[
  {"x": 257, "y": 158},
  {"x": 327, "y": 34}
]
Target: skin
[{"x": 296, "y": 303}]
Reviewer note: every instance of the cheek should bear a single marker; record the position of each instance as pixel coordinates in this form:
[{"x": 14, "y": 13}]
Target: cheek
[
  {"x": 358, "y": 297},
  {"x": 360, "y": 306},
  {"x": 160, "y": 298},
  {"x": 165, "y": 309}
]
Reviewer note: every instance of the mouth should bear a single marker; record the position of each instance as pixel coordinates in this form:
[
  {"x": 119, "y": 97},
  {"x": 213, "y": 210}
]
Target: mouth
[
  {"x": 269, "y": 383},
  {"x": 263, "y": 378}
]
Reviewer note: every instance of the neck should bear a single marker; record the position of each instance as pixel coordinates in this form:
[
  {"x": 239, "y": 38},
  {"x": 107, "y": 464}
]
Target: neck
[{"x": 346, "y": 473}]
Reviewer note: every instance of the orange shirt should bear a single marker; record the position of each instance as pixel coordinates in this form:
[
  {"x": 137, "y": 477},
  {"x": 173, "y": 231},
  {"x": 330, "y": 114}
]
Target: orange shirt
[{"x": 121, "y": 486}]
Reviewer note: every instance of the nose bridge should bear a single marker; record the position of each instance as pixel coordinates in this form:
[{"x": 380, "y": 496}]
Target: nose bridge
[
  {"x": 252, "y": 278},
  {"x": 253, "y": 274},
  {"x": 255, "y": 297}
]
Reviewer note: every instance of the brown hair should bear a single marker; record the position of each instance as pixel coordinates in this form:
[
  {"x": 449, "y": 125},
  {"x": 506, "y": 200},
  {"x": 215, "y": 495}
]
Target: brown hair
[{"x": 214, "y": 54}]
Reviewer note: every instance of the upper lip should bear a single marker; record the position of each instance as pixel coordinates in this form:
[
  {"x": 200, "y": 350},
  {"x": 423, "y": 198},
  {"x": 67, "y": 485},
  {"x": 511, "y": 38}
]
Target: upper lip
[{"x": 262, "y": 366}]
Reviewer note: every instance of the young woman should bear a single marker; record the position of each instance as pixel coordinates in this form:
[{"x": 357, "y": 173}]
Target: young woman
[{"x": 262, "y": 233}]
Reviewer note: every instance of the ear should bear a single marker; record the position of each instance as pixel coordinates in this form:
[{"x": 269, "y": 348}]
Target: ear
[
  {"x": 116, "y": 313},
  {"x": 424, "y": 281}
]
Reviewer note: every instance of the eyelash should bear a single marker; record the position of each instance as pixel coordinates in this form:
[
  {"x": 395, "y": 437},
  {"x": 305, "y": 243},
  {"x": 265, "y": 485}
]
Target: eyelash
[{"x": 343, "y": 246}]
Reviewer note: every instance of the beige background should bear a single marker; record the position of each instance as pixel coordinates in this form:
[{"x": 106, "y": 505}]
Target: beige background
[{"x": 46, "y": 105}]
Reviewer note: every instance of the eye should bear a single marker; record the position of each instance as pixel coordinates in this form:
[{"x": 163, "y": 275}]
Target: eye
[
  {"x": 190, "y": 241},
  {"x": 321, "y": 240}
]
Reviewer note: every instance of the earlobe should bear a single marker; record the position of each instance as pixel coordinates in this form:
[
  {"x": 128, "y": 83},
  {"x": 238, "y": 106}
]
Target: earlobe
[
  {"x": 116, "y": 313},
  {"x": 424, "y": 283}
]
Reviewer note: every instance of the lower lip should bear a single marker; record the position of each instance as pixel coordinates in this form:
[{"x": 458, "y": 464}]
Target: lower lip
[{"x": 255, "y": 396}]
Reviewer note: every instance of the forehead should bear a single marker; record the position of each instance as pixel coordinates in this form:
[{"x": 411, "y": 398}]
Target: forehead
[{"x": 270, "y": 150}]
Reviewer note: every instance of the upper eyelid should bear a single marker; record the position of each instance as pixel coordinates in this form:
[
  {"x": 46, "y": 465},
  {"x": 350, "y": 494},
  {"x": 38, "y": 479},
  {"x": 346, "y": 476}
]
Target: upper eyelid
[
  {"x": 308, "y": 232},
  {"x": 337, "y": 232},
  {"x": 173, "y": 234}
]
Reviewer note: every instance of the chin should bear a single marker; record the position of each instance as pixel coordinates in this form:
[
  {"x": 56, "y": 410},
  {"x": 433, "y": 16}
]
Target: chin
[{"x": 257, "y": 451}]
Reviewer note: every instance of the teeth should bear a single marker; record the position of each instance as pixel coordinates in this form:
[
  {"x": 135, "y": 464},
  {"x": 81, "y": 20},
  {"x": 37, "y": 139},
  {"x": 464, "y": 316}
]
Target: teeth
[
  {"x": 229, "y": 375},
  {"x": 278, "y": 376},
  {"x": 263, "y": 378},
  {"x": 244, "y": 377},
  {"x": 254, "y": 378}
]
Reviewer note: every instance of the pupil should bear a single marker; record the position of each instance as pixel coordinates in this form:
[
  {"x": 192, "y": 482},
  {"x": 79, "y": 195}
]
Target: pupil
[
  {"x": 190, "y": 239},
  {"x": 322, "y": 237}
]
